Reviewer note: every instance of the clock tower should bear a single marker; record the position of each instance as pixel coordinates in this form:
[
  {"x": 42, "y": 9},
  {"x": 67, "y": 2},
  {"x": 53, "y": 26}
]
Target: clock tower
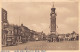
[{"x": 53, "y": 21}]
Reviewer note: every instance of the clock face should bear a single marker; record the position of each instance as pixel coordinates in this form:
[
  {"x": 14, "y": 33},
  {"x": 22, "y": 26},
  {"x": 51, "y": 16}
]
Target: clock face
[{"x": 53, "y": 15}]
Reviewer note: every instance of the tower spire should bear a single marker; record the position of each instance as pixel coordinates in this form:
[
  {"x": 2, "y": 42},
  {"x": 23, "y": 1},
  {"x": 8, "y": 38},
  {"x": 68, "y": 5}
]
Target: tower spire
[{"x": 53, "y": 5}]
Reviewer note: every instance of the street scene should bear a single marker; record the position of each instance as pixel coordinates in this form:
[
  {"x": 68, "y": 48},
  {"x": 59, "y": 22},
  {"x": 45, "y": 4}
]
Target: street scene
[{"x": 40, "y": 26}]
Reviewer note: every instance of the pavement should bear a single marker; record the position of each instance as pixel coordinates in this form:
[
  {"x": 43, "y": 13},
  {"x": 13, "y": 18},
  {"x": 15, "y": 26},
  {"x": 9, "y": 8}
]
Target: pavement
[{"x": 44, "y": 45}]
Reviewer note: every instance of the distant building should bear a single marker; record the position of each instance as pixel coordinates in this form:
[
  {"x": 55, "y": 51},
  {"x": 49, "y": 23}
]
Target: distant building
[
  {"x": 72, "y": 36},
  {"x": 25, "y": 33},
  {"x": 39, "y": 36}
]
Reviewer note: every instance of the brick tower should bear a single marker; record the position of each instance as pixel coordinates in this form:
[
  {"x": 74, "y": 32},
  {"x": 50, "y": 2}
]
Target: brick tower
[{"x": 53, "y": 21}]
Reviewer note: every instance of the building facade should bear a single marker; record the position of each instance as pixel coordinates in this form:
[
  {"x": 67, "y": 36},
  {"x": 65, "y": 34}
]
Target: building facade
[{"x": 4, "y": 26}]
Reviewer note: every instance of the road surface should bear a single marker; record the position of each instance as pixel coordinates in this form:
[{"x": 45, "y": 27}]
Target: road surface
[{"x": 44, "y": 45}]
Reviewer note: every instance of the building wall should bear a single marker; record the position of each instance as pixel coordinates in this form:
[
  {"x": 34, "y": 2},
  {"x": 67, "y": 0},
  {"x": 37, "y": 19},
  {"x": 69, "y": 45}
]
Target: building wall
[{"x": 4, "y": 26}]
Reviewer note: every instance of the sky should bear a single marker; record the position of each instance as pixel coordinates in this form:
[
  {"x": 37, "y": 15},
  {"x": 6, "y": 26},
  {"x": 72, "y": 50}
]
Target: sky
[
  {"x": 36, "y": 15},
  {"x": 40, "y": 0}
]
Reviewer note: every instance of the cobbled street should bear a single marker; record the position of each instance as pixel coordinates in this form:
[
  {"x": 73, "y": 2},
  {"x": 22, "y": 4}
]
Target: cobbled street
[{"x": 44, "y": 45}]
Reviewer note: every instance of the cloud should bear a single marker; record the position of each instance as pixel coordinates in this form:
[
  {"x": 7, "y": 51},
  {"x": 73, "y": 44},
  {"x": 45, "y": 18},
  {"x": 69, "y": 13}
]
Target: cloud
[
  {"x": 62, "y": 10},
  {"x": 39, "y": 27},
  {"x": 62, "y": 26},
  {"x": 71, "y": 20},
  {"x": 69, "y": 24}
]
